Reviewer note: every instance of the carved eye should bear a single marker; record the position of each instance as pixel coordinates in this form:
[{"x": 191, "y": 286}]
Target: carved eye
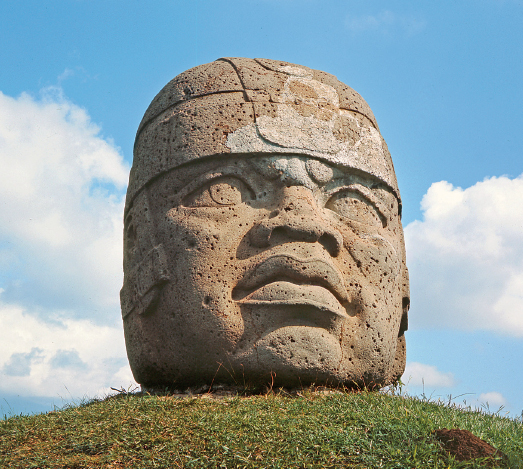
[
  {"x": 220, "y": 192},
  {"x": 354, "y": 206}
]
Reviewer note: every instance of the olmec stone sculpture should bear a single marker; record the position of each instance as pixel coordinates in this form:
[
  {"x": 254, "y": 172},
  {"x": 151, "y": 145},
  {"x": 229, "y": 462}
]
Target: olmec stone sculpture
[{"x": 263, "y": 238}]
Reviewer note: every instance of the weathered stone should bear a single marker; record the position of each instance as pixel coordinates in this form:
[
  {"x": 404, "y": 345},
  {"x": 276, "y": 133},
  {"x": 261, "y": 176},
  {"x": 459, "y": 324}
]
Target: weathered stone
[
  {"x": 263, "y": 240},
  {"x": 216, "y": 77}
]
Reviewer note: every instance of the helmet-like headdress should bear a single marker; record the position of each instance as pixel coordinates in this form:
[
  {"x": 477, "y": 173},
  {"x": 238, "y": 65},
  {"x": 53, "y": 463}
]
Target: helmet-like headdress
[{"x": 257, "y": 106}]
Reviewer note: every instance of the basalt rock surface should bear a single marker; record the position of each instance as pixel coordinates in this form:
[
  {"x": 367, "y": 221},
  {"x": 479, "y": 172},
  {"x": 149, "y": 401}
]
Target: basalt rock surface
[{"x": 263, "y": 239}]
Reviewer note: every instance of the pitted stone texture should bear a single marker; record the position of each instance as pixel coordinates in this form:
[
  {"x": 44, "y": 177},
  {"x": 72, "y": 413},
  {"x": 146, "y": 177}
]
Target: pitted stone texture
[
  {"x": 263, "y": 240},
  {"x": 238, "y": 105},
  {"x": 214, "y": 78}
]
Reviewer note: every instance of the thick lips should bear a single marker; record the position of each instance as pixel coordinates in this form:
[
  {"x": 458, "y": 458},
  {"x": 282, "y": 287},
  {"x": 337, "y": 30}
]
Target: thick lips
[{"x": 285, "y": 279}]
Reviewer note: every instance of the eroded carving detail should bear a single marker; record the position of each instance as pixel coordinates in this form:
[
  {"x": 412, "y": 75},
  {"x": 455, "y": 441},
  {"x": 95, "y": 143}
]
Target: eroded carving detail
[{"x": 263, "y": 234}]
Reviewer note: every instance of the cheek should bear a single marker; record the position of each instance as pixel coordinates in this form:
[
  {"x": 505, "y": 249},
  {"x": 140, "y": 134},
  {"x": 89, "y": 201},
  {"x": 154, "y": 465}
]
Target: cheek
[
  {"x": 375, "y": 257},
  {"x": 201, "y": 253},
  {"x": 207, "y": 229},
  {"x": 373, "y": 263},
  {"x": 203, "y": 248},
  {"x": 379, "y": 264}
]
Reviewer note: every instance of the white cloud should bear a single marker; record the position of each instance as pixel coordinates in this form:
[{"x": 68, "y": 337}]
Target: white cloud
[
  {"x": 492, "y": 399},
  {"x": 385, "y": 22},
  {"x": 68, "y": 358},
  {"x": 466, "y": 257},
  {"x": 489, "y": 401},
  {"x": 61, "y": 203},
  {"x": 419, "y": 374},
  {"x": 62, "y": 188}
]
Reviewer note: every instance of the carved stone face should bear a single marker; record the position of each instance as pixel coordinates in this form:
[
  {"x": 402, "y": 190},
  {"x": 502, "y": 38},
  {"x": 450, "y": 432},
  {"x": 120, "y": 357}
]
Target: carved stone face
[
  {"x": 283, "y": 265},
  {"x": 261, "y": 267}
]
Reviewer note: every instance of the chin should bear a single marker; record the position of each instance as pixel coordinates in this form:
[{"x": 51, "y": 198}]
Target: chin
[{"x": 292, "y": 356}]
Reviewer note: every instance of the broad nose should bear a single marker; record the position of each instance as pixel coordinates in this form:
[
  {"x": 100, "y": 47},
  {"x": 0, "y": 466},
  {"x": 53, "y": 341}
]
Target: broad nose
[{"x": 297, "y": 218}]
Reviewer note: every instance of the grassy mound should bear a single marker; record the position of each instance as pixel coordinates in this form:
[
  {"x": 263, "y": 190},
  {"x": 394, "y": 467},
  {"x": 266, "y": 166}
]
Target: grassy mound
[{"x": 307, "y": 429}]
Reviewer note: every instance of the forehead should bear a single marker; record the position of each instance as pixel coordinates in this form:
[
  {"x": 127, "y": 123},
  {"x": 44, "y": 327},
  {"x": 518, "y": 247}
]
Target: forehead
[
  {"x": 290, "y": 169},
  {"x": 304, "y": 171}
]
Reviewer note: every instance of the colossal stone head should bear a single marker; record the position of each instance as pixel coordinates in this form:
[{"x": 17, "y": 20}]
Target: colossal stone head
[{"x": 263, "y": 239}]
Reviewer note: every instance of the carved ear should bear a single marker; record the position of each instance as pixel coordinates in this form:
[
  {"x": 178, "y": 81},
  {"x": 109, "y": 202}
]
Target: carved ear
[
  {"x": 141, "y": 288},
  {"x": 405, "y": 300},
  {"x": 145, "y": 262},
  {"x": 398, "y": 367}
]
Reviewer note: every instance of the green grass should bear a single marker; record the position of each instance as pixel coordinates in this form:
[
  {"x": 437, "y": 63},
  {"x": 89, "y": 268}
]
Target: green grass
[{"x": 311, "y": 429}]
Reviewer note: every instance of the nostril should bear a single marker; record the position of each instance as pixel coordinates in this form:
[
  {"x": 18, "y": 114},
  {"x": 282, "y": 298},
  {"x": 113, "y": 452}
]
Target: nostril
[
  {"x": 279, "y": 231},
  {"x": 330, "y": 243}
]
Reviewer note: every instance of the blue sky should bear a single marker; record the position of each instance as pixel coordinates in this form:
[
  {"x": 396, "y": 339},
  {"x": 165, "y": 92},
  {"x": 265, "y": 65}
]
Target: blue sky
[{"x": 443, "y": 79}]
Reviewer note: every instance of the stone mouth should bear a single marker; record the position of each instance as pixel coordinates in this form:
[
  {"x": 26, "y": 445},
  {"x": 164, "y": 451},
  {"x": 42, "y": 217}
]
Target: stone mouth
[
  {"x": 281, "y": 293},
  {"x": 284, "y": 279}
]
